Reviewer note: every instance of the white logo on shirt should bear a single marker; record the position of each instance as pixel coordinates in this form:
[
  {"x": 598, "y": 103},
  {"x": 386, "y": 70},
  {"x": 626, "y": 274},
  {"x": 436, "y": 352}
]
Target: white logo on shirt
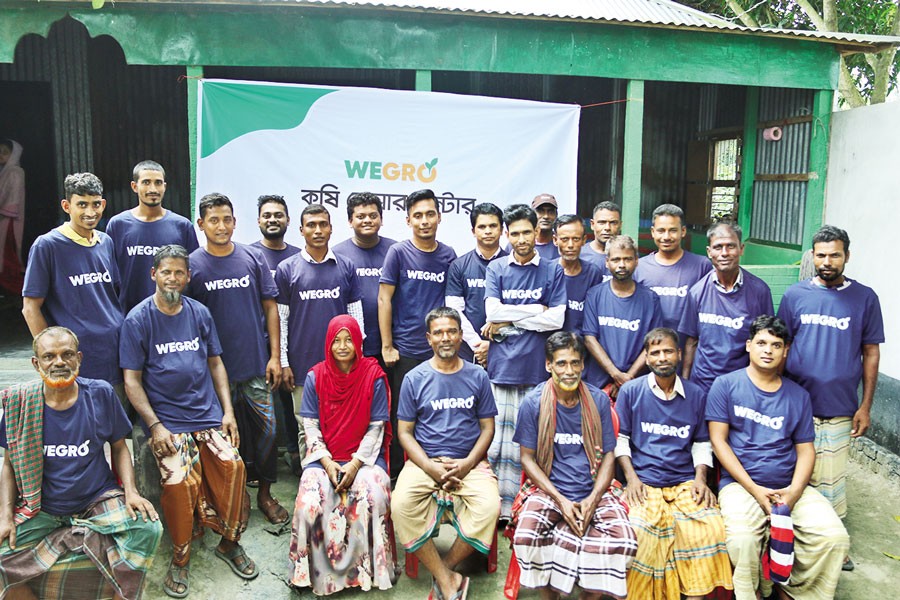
[
  {"x": 223, "y": 284},
  {"x": 670, "y": 430},
  {"x": 841, "y": 323},
  {"x": 575, "y": 305},
  {"x": 141, "y": 250},
  {"x": 476, "y": 283},
  {"x": 445, "y": 403},
  {"x": 67, "y": 450},
  {"x": 534, "y": 294},
  {"x": 713, "y": 319},
  {"x": 757, "y": 417},
  {"x": 320, "y": 294},
  {"x": 185, "y": 346},
  {"x": 425, "y": 275},
  {"x": 568, "y": 439},
  {"x": 681, "y": 292},
  {"x": 87, "y": 278},
  {"x": 368, "y": 272},
  {"x": 619, "y": 323}
]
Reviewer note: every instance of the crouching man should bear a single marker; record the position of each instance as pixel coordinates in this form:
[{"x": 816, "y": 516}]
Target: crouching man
[
  {"x": 761, "y": 428},
  {"x": 445, "y": 425},
  {"x": 570, "y": 529},
  {"x": 59, "y": 499}
]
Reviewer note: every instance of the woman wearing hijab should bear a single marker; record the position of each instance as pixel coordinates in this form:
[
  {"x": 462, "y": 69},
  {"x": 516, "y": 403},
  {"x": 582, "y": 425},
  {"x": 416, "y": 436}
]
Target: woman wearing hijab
[
  {"x": 339, "y": 537},
  {"x": 12, "y": 216}
]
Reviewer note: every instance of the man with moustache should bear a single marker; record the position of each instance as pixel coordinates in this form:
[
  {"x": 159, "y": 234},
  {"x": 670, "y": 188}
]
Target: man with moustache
[
  {"x": 58, "y": 496},
  {"x": 581, "y": 276},
  {"x": 72, "y": 280},
  {"x": 617, "y": 316},
  {"x": 606, "y": 223},
  {"x": 837, "y": 327},
  {"x": 663, "y": 448},
  {"x": 546, "y": 209},
  {"x": 138, "y": 233},
  {"x": 176, "y": 381}
]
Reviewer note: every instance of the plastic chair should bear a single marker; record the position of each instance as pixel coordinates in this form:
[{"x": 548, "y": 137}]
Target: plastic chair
[{"x": 412, "y": 561}]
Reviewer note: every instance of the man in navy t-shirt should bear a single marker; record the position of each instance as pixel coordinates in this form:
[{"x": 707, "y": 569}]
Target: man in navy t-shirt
[
  {"x": 72, "y": 280},
  {"x": 413, "y": 281},
  {"x": 546, "y": 208},
  {"x": 720, "y": 308},
  {"x": 617, "y": 316},
  {"x": 235, "y": 284},
  {"x": 466, "y": 279},
  {"x": 570, "y": 529},
  {"x": 55, "y": 470},
  {"x": 670, "y": 271},
  {"x": 581, "y": 276},
  {"x": 525, "y": 301},
  {"x": 664, "y": 451},
  {"x": 837, "y": 327},
  {"x": 176, "y": 381},
  {"x": 138, "y": 233},
  {"x": 761, "y": 428},
  {"x": 445, "y": 424},
  {"x": 273, "y": 220},
  {"x": 606, "y": 223},
  {"x": 366, "y": 250}
]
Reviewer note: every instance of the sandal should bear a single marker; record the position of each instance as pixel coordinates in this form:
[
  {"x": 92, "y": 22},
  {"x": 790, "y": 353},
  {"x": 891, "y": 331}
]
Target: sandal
[
  {"x": 275, "y": 513},
  {"x": 435, "y": 593},
  {"x": 178, "y": 575},
  {"x": 463, "y": 590},
  {"x": 231, "y": 557}
]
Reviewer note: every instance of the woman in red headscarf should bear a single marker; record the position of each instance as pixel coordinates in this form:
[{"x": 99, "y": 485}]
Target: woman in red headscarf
[{"x": 339, "y": 537}]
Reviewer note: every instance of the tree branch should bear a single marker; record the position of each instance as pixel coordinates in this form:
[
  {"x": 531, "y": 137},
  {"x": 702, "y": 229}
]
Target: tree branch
[
  {"x": 847, "y": 87},
  {"x": 742, "y": 14},
  {"x": 817, "y": 20}
]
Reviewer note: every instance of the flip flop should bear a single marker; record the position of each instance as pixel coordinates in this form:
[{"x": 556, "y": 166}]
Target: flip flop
[
  {"x": 175, "y": 574},
  {"x": 229, "y": 558},
  {"x": 463, "y": 590},
  {"x": 272, "y": 510},
  {"x": 435, "y": 593}
]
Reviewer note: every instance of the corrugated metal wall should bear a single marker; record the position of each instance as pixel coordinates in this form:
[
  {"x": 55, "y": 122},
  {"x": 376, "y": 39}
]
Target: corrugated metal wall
[{"x": 778, "y": 205}]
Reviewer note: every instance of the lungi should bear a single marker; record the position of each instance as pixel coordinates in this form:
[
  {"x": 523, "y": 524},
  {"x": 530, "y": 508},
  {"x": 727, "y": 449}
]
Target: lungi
[
  {"x": 829, "y": 475},
  {"x": 96, "y": 554},
  {"x": 418, "y": 505},
  {"x": 255, "y": 416},
  {"x": 203, "y": 485},
  {"x": 820, "y": 543},
  {"x": 550, "y": 554},
  {"x": 681, "y": 546},
  {"x": 503, "y": 453}
]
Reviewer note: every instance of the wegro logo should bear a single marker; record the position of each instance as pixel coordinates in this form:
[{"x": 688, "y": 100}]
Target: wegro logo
[{"x": 425, "y": 172}]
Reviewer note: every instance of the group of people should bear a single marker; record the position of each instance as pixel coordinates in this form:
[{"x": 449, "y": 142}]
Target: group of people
[{"x": 500, "y": 388}]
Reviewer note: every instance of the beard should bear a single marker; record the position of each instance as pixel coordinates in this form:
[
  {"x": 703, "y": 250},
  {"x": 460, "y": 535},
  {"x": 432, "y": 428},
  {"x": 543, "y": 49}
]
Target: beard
[
  {"x": 172, "y": 297},
  {"x": 56, "y": 382},
  {"x": 833, "y": 276},
  {"x": 666, "y": 371},
  {"x": 566, "y": 387},
  {"x": 274, "y": 235}
]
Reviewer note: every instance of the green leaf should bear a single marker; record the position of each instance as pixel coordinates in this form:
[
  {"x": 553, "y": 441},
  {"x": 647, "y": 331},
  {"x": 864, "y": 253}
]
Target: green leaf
[
  {"x": 431, "y": 164},
  {"x": 894, "y": 556},
  {"x": 98, "y": 3}
]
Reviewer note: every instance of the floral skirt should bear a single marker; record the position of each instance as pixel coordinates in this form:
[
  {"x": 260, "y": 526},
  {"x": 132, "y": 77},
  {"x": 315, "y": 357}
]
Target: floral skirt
[{"x": 341, "y": 541}]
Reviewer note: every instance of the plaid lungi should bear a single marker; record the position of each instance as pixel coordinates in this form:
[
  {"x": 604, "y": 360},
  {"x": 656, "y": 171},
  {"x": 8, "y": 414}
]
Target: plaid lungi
[
  {"x": 829, "y": 475},
  {"x": 96, "y": 554},
  {"x": 503, "y": 453},
  {"x": 549, "y": 553},
  {"x": 681, "y": 546}
]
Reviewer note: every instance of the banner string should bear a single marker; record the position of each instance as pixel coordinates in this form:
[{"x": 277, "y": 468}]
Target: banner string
[{"x": 611, "y": 102}]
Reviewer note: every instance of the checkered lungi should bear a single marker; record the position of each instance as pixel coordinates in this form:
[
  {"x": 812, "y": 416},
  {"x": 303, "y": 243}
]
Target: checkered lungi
[
  {"x": 550, "y": 554},
  {"x": 503, "y": 453},
  {"x": 829, "y": 475}
]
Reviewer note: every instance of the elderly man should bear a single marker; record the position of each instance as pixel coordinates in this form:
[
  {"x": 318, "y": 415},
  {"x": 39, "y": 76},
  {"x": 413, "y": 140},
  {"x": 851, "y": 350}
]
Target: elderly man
[
  {"x": 570, "y": 530},
  {"x": 57, "y": 491},
  {"x": 176, "y": 381},
  {"x": 446, "y": 422}
]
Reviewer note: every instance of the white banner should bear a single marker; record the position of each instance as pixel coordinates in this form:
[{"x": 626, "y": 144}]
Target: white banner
[{"x": 320, "y": 144}]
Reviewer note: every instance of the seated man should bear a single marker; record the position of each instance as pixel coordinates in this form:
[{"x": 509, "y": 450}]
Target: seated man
[
  {"x": 57, "y": 491},
  {"x": 445, "y": 425},
  {"x": 175, "y": 379},
  {"x": 761, "y": 428},
  {"x": 664, "y": 451},
  {"x": 570, "y": 530}
]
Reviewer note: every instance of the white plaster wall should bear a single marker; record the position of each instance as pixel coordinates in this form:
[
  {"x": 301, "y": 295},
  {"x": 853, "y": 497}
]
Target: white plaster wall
[{"x": 862, "y": 195}]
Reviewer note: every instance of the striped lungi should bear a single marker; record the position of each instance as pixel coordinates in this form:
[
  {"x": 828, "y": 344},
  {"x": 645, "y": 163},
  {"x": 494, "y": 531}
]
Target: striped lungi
[
  {"x": 820, "y": 543},
  {"x": 549, "y": 553},
  {"x": 503, "y": 453},
  {"x": 681, "y": 546},
  {"x": 829, "y": 475},
  {"x": 96, "y": 554}
]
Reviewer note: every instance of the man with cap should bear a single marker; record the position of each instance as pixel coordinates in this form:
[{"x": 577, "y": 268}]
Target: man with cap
[{"x": 546, "y": 208}]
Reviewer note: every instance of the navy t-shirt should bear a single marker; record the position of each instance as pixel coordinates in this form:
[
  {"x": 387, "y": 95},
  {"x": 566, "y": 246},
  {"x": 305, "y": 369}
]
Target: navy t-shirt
[
  {"x": 662, "y": 431},
  {"x": 672, "y": 282},
  {"x": 446, "y": 408},
  {"x": 519, "y": 359},
  {"x": 577, "y": 287},
  {"x": 368, "y": 263},
  {"x": 571, "y": 471},
  {"x": 466, "y": 280},
  {"x": 830, "y": 327},
  {"x": 232, "y": 288},
  {"x": 309, "y": 408},
  {"x": 721, "y": 324},
  {"x": 75, "y": 467},
  {"x": 172, "y": 351},
  {"x": 136, "y": 242},
  {"x": 619, "y": 324},
  {"x": 764, "y": 427},
  {"x": 588, "y": 254},
  {"x": 315, "y": 293},
  {"x": 275, "y": 257},
  {"x": 419, "y": 279},
  {"x": 80, "y": 288}
]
